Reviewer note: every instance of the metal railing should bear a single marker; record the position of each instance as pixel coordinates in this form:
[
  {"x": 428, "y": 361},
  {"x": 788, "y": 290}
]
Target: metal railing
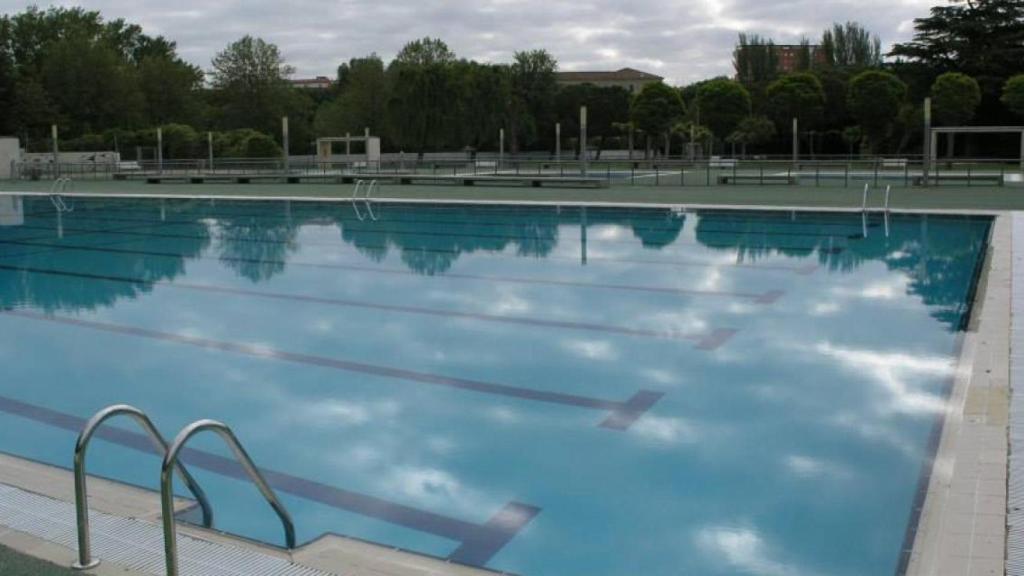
[
  {"x": 820, "y": 172},
  {"x": 85, "y": 559},
  {"x": 167, "y": 486}
]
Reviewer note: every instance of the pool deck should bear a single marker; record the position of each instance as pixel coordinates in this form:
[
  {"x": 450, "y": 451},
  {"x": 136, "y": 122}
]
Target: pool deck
[
  {"x": 129, "y": 517},
  {"x": 943, "y": 198},
  {"x": 962, "y": 525},
  {"x": 962, "y": 513}
]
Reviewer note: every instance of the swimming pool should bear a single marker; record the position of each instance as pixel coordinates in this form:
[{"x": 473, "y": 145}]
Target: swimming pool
[{"x": 536, "y": 390}]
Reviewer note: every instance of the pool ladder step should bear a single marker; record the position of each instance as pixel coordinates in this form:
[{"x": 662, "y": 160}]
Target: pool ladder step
[
  {"x": 170, "y": 465},
  {"x": 367, "y": 187}
]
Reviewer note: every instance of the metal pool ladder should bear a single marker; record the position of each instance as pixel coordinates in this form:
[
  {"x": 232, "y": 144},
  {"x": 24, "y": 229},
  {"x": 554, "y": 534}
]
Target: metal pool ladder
[
  {"x": 167, "y": 486},
  {"x": 168, "y": 467},
  {"x": 61, "y": 185},
  {"x": 85, "y": 559},
  {"x": 367, "y": 187}
]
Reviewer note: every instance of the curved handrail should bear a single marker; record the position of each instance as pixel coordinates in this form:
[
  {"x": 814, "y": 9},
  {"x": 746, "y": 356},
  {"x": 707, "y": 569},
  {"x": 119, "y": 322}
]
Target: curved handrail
[
  {"x": 167, "y": 488},
  {"x": 85, "y": 559}
]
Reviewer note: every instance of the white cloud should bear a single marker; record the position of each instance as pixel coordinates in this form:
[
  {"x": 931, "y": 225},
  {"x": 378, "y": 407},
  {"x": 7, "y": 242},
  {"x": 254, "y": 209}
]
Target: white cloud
[
  {"x": 744, "y": 550},
  {"x": 693, "y": 40}
]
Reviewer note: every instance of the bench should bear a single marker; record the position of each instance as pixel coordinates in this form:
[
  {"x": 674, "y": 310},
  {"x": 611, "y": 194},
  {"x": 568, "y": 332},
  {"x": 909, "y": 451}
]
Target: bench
[
  {"x": 757, "y": 178},
  {"x": 969, "y": 179}
]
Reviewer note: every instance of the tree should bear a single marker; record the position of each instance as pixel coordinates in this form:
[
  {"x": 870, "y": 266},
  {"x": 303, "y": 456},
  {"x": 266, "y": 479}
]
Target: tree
[
  {"x": 249, "y": 78},
  {"x": 170, "y": 89},
  {"x": 955, "y": 97},
  {"x": 853, "y": 136},
  {"x": 981, "y": 38},
  {"x": 755, "y": 60},
  {"x": 722, "y": 104},
  {"x": 608, "y": 110},
  {"x": 753, "y": 130},
  {"x": 533, "y": 87},
  {"x": 874, "y": 100},
  {"x": 425, "y": 52},
  {"x": 656, "y": 109},
  {"x": 363, "y": 88},
  {"x": 851, "y": 46},
  {"x": 1013, "y": 95},
  {"x": 419, "y": 105},
  {"x": 799, "y": 96}
]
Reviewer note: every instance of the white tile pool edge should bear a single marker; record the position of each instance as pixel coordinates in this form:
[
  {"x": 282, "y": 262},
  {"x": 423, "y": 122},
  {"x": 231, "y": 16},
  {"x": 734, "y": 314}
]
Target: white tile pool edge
[
  {"x": 872, "y": 209},
  {"x": 962, "y": 526}
]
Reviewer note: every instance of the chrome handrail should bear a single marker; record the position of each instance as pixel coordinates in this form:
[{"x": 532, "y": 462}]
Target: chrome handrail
[
  {"x": 864, "y": 199},
  {"x": 369, "y": 207},
  {"x": 85, "y": 559},
  {"x": 167, "y": 486},
  {"x": 888, "y": 189}
]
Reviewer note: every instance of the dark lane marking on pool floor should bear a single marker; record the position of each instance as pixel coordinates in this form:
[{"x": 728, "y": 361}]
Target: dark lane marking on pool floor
[
  {"x": 801, "y": 270},
  {"x": 767, "y": 297},
  {"x": 711, "y": 340},
  {"x": 621, "y": 414},
  {"x": 478, "y": 542}
]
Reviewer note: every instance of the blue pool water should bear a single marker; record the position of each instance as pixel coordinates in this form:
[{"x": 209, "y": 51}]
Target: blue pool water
[{"x": 535, "y": 390}]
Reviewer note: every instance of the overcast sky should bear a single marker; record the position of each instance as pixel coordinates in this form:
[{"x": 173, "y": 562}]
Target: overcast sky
[{"x": 682, "y": 40}]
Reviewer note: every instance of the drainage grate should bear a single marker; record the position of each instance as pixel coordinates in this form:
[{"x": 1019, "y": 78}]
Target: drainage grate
[
  {"x": 134, "y": 543},
  {"x": 1015, "y": 488}
]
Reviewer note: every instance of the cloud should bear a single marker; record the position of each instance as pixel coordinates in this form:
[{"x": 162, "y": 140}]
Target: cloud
[
  {"x": 683, "y": 41},
  {"x": 744, "y": 550}
]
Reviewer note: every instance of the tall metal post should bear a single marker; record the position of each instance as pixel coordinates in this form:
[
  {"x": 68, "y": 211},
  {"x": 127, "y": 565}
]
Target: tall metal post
[
  {"x": 796, "y": 143},
  {"x": 348, "y": 145},
  {"x": 159, "y": 150},
  {"x": 56, "y": 151},
  {"x": 583, "y": 140},
  {"x": 926, "y": 151},
  {"x": 558, "y": 141},
  {"x": 501, "y": 147},
  {"x": 284, "y": 140},
  {"x": 209, "y": 150}
]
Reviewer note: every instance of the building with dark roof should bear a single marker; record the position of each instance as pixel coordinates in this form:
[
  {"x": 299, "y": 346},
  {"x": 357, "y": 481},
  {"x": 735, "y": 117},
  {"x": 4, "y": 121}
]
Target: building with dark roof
[{"x": 628, "y": 78}]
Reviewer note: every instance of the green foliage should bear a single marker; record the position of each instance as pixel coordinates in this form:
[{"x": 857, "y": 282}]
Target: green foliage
[
  {"x": 1013, "y": 95},
  {"x": 753, "y": 130},
  {"x": 608, "y": 109},
  {"x": 419, "y": 105},
  {"x": 245, "y": 143},
  {"x": 798, "y": 96},
  {"x": 955, "y": 97},
  {"x": 755, "y": 59},
  {"x": 657, "y": 108},
  {"x": 361, "y": 103},
  {"x": 981, "y": 38},
  {"x": 180, "y": 141},
  {"x": 875, "y": 99},
  {"x": 851, "y": 46},
  {"x": 531, "y": 111},
  {"x": 249, "y": 82},
  {"x": 722, "y": 105}
]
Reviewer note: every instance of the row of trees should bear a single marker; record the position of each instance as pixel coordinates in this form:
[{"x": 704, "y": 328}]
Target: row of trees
[{"x": 108, "y": 83}]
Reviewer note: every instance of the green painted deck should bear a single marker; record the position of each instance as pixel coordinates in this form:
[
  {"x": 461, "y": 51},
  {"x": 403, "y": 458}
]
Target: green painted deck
[{"x": 1010, "y": 197}]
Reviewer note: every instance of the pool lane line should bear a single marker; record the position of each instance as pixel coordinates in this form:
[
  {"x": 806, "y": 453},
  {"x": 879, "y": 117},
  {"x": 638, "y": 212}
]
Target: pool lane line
[
  {"x": 708, "y": 341},
  {"x": 621, "y": 414},
  {"x": 800, "y": 270},
  {"x": 379, "y": 230},
  {"x": 767, "y": 297},
  {"x": 478, "y": 542}
]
